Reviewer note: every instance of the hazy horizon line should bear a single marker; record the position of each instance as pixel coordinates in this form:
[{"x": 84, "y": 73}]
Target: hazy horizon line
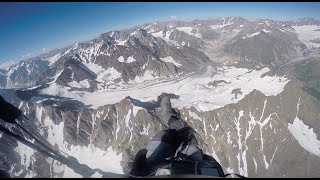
[{"x": 37, "y": 53}]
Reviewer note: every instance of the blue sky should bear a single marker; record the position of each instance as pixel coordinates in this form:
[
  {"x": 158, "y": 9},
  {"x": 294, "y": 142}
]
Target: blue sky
[{"x": 27, "y": 29}]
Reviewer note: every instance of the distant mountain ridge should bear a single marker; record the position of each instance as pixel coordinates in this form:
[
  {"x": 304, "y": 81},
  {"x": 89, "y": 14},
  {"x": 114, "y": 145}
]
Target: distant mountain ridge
[{"x": 263, "y": 42}]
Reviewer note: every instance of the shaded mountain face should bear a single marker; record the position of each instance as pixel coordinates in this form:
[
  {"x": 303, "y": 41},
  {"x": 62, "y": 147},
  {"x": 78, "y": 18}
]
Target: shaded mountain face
[
  {"x": 26, "y": 73},
  {"x": 307, "y": 71},
  {"x": 3, "y": 79},
  {"x": 248, "y": 88}
]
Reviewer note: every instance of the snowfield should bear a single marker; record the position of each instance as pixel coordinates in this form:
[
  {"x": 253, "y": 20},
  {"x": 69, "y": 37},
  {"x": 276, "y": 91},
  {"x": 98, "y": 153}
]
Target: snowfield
[
  {"x": 308, "y": 33},
  {"x": 194, "y": 90},
  {"x": 53, "y": 59},
  {"x": 305, "y": 136},
  {"x": 188, "y": 30}
]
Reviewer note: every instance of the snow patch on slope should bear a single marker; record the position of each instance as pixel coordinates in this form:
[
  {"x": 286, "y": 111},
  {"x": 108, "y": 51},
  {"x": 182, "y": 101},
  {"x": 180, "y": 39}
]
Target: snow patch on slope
[
  {"x": 15, "y": 68},
  {"x": 194, "y": 115},
  {"x": 170, "y": 60},
  {"x": 57, "y": 90},
  {"x": 251, "y": 35},
  {"x": 165, "y": 37},
  {"x": 266, "y": 164},
  {"x": 53, "y": 59},
  {"x": 305, "y": 136},
  {"x": 147, "y": 76},
  {"x": 219, "y": 26},
  {"x": 81, "y": 84},
  {"x": 109, "y": 74},
  {"x": 120, "y": 59},
  {"x": 188, "y": 30},
  {"x": 108, "y": 161},
  {"x": 266, "y": 31},
  {"x": 90, "y": 53},
  {"x": 26, "y": 155},
  {"x": 130, "y": 59},
  {"x": 103, "y": 75},
  {"x": 128, "y": 118},
  {"x": 135, "y": 109},
  {"x": 69, "y": 173},
  {"x": 96, "y": 175},
  {"x": 158, "y": 34},
  {"x": 121, "y": 42}
]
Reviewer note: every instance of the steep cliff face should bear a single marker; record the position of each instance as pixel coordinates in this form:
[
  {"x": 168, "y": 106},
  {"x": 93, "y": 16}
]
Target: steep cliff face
[
  {"x": 264, "y": 136},
  {"x": 94, "y": 137}
]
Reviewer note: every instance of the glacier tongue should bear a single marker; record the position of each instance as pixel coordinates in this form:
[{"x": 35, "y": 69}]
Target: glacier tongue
[
  {"x": 307, "y": 33},
  {"x": 194, "y": 89}
]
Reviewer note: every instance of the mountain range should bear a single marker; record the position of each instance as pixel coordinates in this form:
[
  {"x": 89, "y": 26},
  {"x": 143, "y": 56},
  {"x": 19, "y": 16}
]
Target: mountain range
[{"x": 250, "y": 89}]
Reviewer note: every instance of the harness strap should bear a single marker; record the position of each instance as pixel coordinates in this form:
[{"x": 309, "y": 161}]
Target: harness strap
[
  {"x": 38, "y": 141},
  {"x": 71, "y": 162},
  {"x": 27, "y": 143},
  {"x": 8, "y": 111},
  {"x": 234, "y": 174}
]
